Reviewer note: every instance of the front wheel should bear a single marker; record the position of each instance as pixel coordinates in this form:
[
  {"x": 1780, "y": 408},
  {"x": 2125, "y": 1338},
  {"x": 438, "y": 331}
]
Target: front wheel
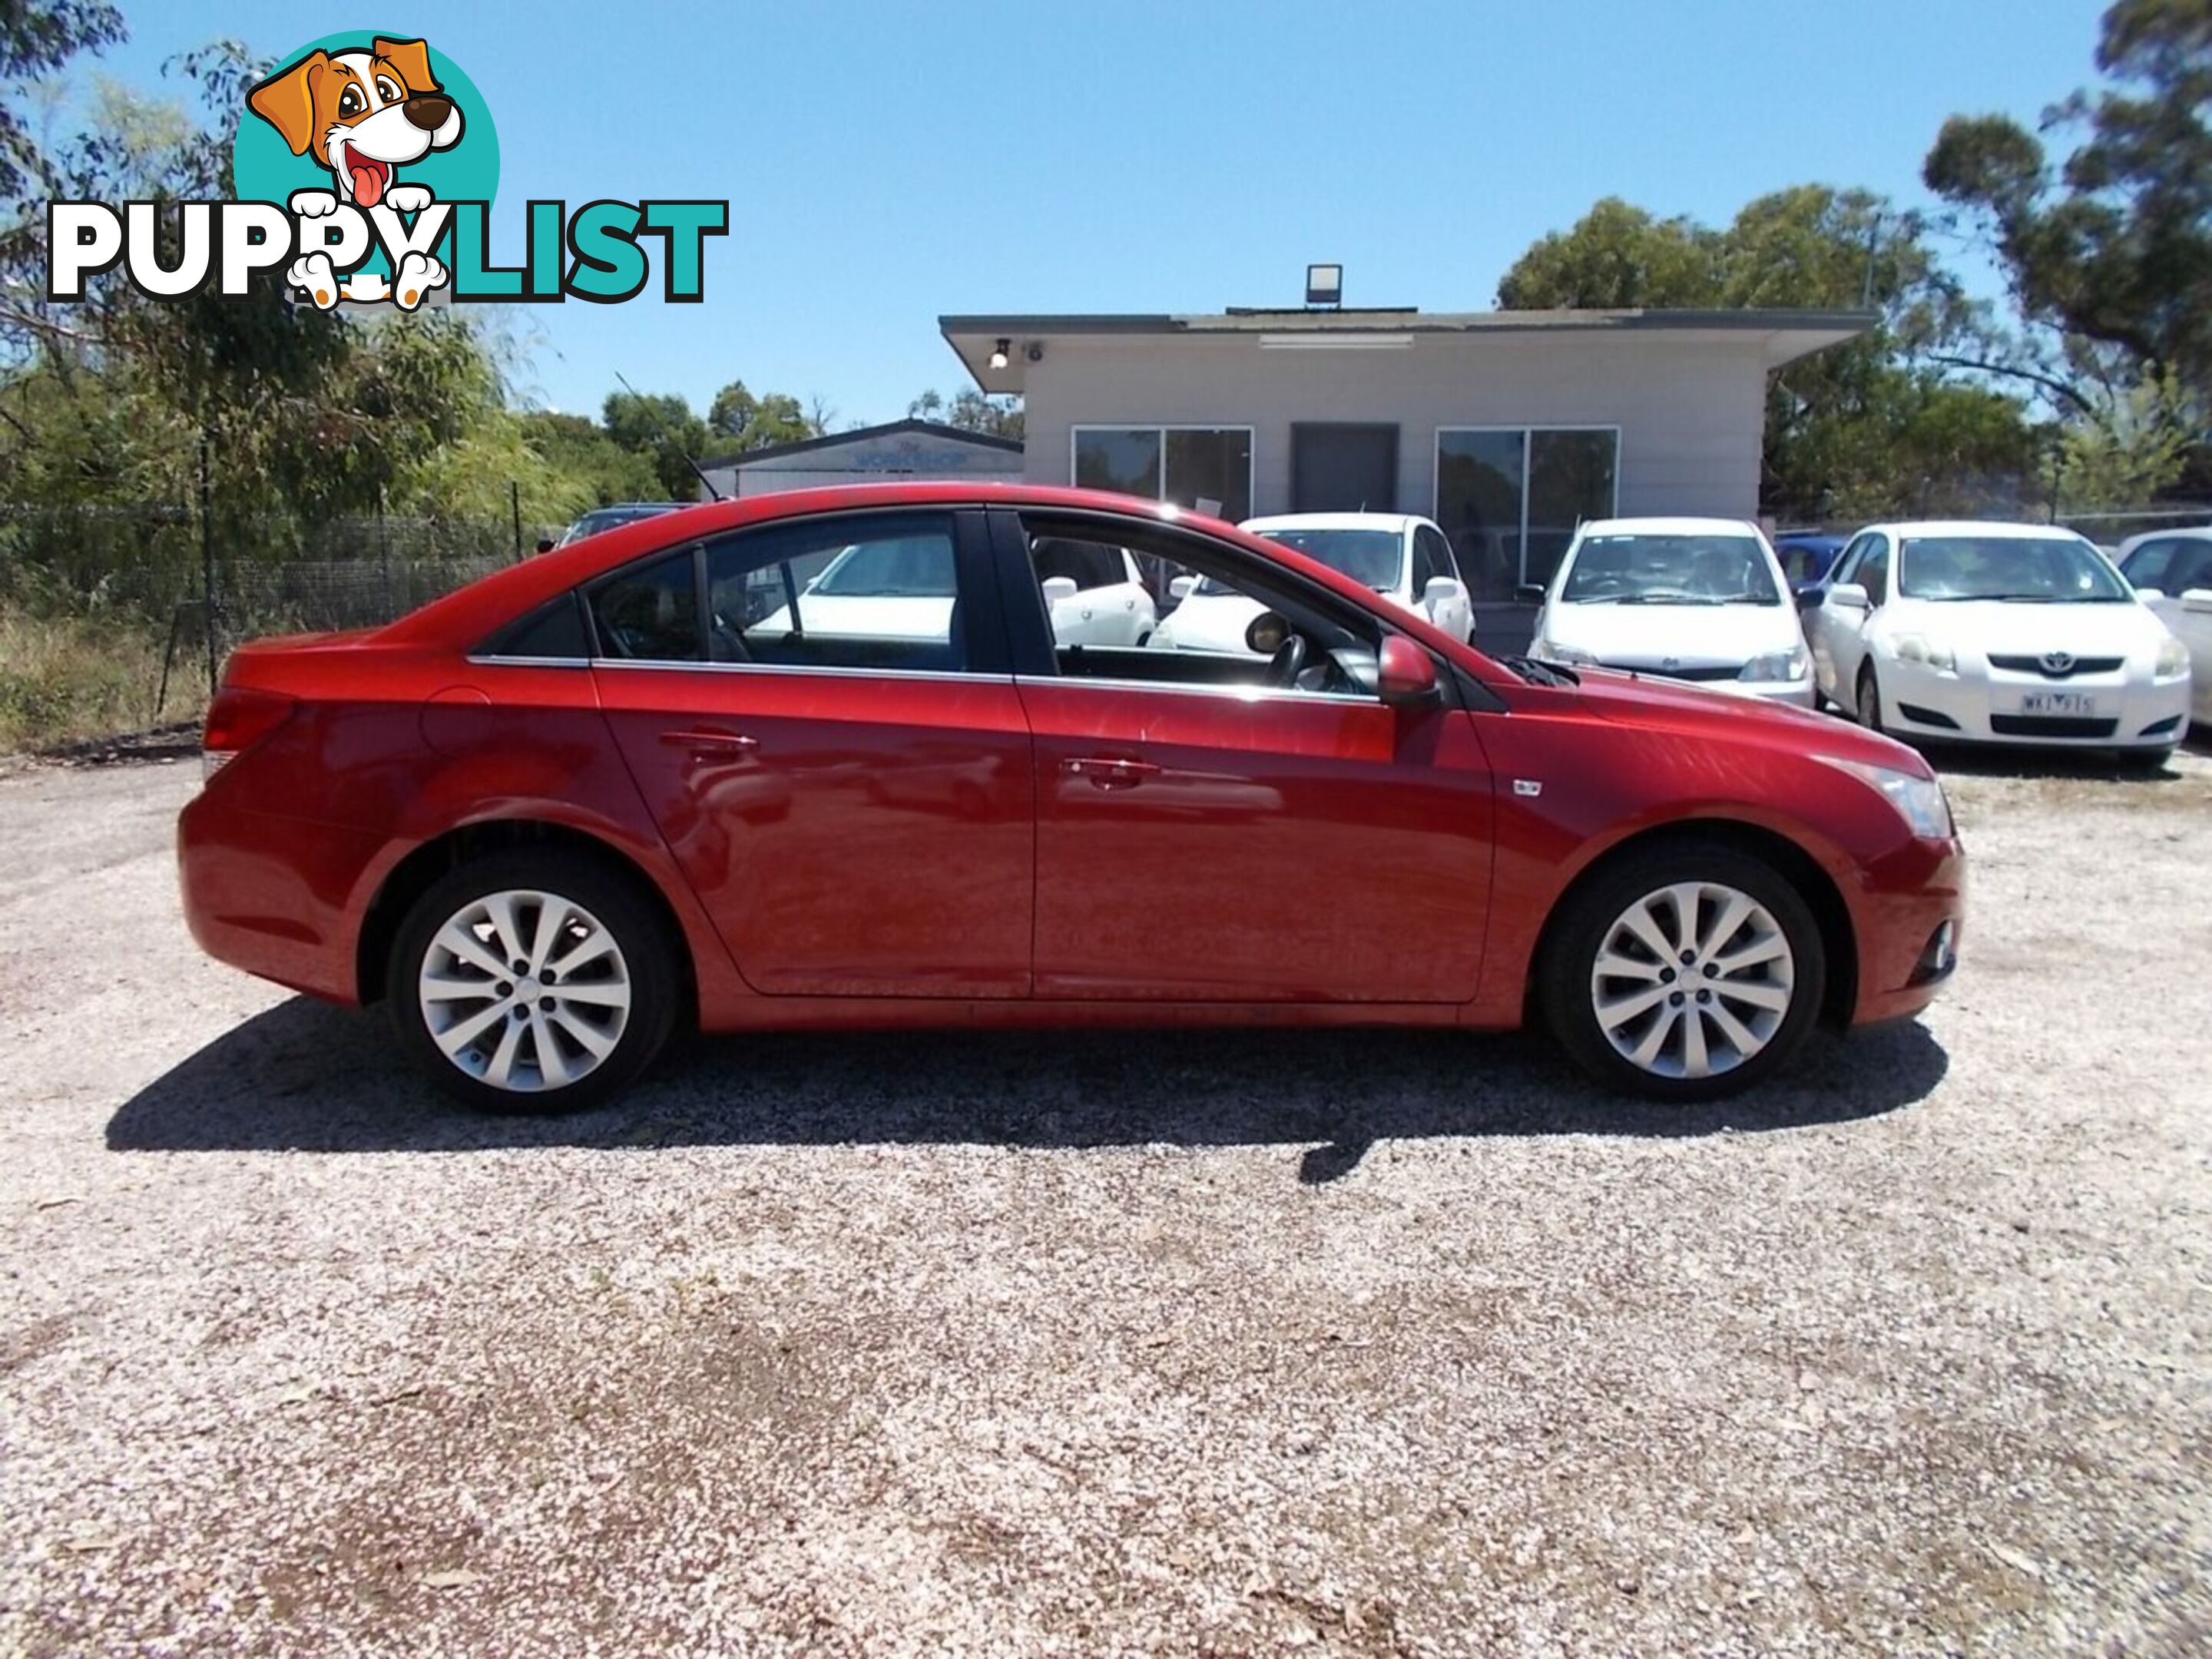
[
  {"x": 1684, "y": 973},
  {"x": 532, "y": 982},
  {"x": 1869, "y": 695}
]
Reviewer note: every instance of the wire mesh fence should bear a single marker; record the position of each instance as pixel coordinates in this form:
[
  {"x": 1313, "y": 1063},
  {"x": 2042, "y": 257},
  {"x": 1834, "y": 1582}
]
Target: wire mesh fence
[{"x": 114, "y": 618}]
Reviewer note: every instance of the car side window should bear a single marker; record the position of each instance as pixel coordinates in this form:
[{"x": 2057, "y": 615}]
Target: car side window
[
  {"x": 1425, "y": 564},
  {"x": 874, "y": 592},
  {"x": 1207, "y": 640},
  {"x": 650, "y": 612},
  {"x": 2151, "y": 564},
  {"x": 2192, "y": 568},
  {"x": 1440, "y": 554},
  {"x": 1874, "y": 571},
  {"x": 1847, "y": 562}
]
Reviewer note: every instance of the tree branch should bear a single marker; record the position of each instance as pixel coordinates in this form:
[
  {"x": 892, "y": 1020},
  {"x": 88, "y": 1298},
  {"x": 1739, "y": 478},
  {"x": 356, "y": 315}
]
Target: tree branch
[{"x": 2050, "y": 383}]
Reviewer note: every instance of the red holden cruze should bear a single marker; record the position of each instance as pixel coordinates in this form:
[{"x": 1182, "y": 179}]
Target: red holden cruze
[{"x": 919, "y": 754}]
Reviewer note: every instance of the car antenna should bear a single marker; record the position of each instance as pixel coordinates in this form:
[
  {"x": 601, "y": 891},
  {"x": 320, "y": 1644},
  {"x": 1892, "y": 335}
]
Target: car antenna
[{"x": 687, "y": 461}]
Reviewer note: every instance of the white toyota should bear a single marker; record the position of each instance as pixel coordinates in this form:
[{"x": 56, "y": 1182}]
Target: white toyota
[
  {"x": 1406, "y": 559},
  {"x": 1700, "y": 599},
  {"x": 1997, "y": 633}
]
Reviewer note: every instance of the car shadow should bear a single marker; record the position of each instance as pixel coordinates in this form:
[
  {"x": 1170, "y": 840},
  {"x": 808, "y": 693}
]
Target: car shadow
[
  {"x": 307, "y": 1076},
  {"x": 2062, "y": 765}
]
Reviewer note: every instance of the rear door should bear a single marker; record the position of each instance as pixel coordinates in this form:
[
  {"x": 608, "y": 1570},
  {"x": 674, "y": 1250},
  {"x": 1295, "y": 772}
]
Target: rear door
[
  {"x": 1203, "y": 836},
  {"x": 853, "y": 803}
]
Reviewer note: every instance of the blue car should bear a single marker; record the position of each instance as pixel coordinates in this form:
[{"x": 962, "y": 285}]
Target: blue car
[{"x": 1806, "y": 557}]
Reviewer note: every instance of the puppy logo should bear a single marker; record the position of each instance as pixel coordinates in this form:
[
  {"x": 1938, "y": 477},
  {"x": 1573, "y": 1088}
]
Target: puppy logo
[{"x": 362, "y": 114}]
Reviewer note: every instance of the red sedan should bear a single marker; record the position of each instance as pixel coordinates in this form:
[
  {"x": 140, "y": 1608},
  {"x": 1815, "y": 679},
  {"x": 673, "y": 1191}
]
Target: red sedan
[{"x": 832, "y": 758}]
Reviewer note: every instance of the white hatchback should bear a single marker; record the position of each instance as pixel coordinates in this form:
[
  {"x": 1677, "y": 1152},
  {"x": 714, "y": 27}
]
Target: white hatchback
[
  {"x": 1997, "y": 633},
  {"x": 1406, "y": 559},
  {"x": 1699, "y": 599},
  {"x": 2172, "y": 571}
]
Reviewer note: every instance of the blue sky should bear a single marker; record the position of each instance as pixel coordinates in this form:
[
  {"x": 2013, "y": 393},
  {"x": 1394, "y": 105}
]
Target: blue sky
[{"x": 887, "y": 163}]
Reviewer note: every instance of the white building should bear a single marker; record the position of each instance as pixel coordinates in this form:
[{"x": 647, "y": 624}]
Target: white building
[
  {"x": 899, "y": 449},
  {"x": 1508, "y": 428}
]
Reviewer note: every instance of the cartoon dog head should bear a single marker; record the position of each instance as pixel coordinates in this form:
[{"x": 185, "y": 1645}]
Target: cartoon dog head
[{"x": 361, "y": 113}]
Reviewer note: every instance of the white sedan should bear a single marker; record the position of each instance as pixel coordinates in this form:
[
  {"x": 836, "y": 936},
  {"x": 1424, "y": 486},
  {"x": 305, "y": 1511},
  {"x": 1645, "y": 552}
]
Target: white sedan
[
  {"x": 1406, "y": 559},
  {"x": 902, "y": 590},
  {"x": 2171, "y": 571},
  {"x": 1701, "y": 599},
  {"x": 1997, "y": 633}
]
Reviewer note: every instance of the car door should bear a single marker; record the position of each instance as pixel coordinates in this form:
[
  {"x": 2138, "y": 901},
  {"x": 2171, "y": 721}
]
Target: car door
[
  {"x": 1839, "y": 637},
  {"x": 2187, "y": 610},
  {"x": 1202, "y": 837},
  {"x": 854, "y": 804}
]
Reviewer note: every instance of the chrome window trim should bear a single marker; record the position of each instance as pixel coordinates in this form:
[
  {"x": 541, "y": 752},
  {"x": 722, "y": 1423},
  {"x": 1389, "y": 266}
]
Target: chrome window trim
[
  {"x": 493, "y": 659},
  {"x": 680, "y": 666},
  {"x": 1241, "y": 693}
]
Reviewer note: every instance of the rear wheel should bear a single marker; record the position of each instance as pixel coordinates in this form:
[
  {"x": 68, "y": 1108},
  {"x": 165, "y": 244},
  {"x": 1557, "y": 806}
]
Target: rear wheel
[
  {"x": 1684, "y": 973},
  {"x": 532, "y": 982}
]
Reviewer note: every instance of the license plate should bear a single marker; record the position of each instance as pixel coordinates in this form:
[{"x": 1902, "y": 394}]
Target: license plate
[{"x": 2078, "y": 703}]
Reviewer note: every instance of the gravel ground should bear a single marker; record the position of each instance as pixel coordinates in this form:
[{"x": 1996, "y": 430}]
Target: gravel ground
[{"x": 1364, "y": 1343}]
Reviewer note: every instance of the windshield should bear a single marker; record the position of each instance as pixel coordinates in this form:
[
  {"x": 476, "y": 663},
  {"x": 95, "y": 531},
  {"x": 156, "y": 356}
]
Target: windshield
[
  {"x": 1654, "y": 570},
  {"x": 1373, "y": 558},
  {"x": 913, "y": 567},
  {"x": 607, "y": 518},
  {"x": 2029, "y": 570}
]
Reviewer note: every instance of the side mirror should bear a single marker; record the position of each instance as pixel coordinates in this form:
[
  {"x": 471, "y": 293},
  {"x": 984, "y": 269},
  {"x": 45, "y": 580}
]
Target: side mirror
[
  {"x": 1808, "y": 596},
  {"x": 1442, "y": 590},
  {"x": 1179, "y": 588},
  {"x": 1529, "y": 593},
  {"x": 1058, "y": 590},
  {"x": 2198, "y": 599},
  {"x": 545, "y": 544},
  {"x": 1405, "y": 678},
  {"x": 2151, "y": 592},
  {"x": 1849, "y": 596}
]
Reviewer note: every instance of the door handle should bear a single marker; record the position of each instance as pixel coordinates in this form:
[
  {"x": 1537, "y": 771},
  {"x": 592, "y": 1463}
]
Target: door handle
[
  {"x": 1110, "y": 772},
  {"x": 711, "y": 742}
]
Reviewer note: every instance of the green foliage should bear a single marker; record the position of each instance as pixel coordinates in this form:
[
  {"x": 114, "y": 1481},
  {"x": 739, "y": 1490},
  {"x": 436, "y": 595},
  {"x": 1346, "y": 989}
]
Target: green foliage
[
  {"x": 971, "y": 412},
  {"x": 37, "y": 40},
  {"x": 741, "y": 422},
  {"x": 2111, "y": 248},
  {"x": 2130, "y": 451},
  {"x": 1867, "y": 427},
  {"x": 579, "y": 452},
  {"x": 663, "y": 430}
]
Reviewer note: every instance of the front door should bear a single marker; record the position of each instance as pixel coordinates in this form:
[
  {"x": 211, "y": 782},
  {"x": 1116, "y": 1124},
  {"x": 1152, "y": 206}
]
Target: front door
[
  {"x": 1203, "y": 836},
  {"x": 841, "y": 771},
  {"x": 1343, "y": 468}
]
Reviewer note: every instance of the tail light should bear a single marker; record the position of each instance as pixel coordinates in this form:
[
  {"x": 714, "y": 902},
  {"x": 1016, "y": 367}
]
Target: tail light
[{"x": 239, "y": 717}]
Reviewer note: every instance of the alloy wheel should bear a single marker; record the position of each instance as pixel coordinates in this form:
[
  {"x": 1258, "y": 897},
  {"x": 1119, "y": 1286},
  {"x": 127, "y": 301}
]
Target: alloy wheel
[
  {"x": 525, "y": 991},
  {"x": 1693, "y": 980}
]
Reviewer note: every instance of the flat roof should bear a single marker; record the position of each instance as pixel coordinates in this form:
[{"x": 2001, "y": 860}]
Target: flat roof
[{"x": 1790, "y": 334}]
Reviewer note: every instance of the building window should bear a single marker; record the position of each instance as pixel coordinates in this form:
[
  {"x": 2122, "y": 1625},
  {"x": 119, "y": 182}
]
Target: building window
[
  {"x": 1509, "y": 497},
  {"x": 1203, "y": 468}
]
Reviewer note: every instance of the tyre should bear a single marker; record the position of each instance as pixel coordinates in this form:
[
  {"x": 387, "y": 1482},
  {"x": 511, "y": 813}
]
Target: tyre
[
  {"x": 1683, "y": 974},
  {"x": 533, "y": 981},
  {"x": 1869, "y": 698}
]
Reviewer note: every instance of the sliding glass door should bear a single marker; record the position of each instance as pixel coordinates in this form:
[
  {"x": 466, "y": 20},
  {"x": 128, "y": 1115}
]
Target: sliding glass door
[{"x": 1509, "y": 497}]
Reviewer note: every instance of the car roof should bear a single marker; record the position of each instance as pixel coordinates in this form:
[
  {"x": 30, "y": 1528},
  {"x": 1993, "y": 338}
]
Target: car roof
[
  {"x": 2195, "y": 532},
  {"x": 1676, "y": 526},
  {"x": 1994, "y": 529},
  {"x": 1399, "y": 522},
  {"x": 469, "y": 613}
]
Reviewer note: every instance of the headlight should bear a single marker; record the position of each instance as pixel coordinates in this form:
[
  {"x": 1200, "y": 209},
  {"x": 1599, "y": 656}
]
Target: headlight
[
  {"x": 1918, "y": 647},
  {"x": 2173, "y": 659},
  {"x": 1547, "y": 651},
  {"x": 1775, "y": 665},
  {"x": 1919, "y": 801}
]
